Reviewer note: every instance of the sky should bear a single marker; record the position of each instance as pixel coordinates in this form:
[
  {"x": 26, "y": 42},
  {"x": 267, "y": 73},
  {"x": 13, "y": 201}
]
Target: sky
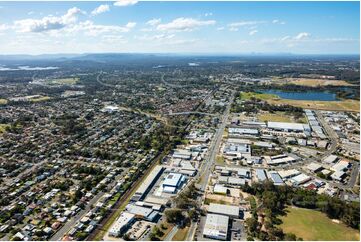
[{"x": 133, "y": 26}]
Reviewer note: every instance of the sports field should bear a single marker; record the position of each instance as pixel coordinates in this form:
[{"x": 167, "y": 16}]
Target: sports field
[
  {"x": 63, "y": 81},
  {"x": 3, "y": 101},
  {"x": 314, "y": 225}
]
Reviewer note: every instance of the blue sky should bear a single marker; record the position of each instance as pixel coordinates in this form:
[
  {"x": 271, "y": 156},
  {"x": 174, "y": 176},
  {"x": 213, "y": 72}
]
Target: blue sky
[{"x": 180, "y": 27}]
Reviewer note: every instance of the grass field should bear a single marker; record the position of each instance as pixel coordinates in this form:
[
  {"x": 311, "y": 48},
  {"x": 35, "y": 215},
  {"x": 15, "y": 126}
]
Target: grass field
[
  {"x": 2, "y": 127},
  {"x": 344, "y": 105},
  {"x": 220, "y": 160},
  {"x": 3, "y": 101},
  {"x": 309, "y": 82},
  {"x": 181, "y": 234},
  {"x": 39, "y": 99},
  {"x": 167, "y": 228},
  {"x": 63, "y": 81},
  {"x": 262, "y": 96},
  {"x": 314, "y": 225},
  {"x": 280, "y": 117},
  {"x": 210, "y": 200}
]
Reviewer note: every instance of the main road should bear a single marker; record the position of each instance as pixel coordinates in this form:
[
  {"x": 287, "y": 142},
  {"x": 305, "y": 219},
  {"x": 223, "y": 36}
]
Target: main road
[{"x": 206, "y": 168}]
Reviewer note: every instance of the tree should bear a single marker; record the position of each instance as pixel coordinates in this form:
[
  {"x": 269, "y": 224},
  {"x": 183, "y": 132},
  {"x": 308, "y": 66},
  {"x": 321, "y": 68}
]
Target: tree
[
  {"x": 252, "y": 225},
  {"x": 290, "y": 237},
  {"x": 174, "y": 215}
]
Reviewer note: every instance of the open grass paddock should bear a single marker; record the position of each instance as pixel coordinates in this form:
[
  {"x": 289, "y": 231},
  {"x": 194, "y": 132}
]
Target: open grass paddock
[{"x": 315, "y": 225}]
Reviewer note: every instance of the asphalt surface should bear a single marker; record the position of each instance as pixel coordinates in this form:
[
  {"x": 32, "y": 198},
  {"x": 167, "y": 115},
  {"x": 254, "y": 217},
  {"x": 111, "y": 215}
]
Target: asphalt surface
[
  {"x": 330, "y": 132},
  {"x": 209, "y": 162}
]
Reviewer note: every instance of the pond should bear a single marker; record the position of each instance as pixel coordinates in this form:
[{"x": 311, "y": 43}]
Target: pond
[{"x": 315, "y": 96}]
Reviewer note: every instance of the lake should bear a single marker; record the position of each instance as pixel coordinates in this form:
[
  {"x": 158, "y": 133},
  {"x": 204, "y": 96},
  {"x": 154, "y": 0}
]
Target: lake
[{"x": 316, "y": 96}]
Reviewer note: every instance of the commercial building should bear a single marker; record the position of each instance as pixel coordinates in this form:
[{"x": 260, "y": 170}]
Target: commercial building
[
  {"x": 275, "y": 177},
  {"x": 121, "y": 224},
  {"x": 216, "y": 227},
  {"x": 300, "y": 179},
  {"x": 228, "y": 210},
  {"x": 172, "y": 182},
  {"x": 286, "y": 174},
  {"x": 142, "y": 212},
  {"x": 110, "y": 109},
  {"x": 288, "y": 127},
  {"x": 331, "y": 159},
  {"x": 261, "y": 175},
  {"x": 148, "y": 183},
  {"x": 235, "y": 181},
  {"x": 280, "y": 159},
  {"x": 182, "y": 154},
  {"x": 219, "y": 189},
  {"x": 242, "y": 131},
  {"x": 237, "y": 150},
  {"x": 314, "y": 167}
]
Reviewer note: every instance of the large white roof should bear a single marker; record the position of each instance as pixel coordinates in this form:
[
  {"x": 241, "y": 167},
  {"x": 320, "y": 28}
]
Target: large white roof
[
  {"x": 172, "y": 179},
  {"x": 289, "y": 126},
  {"x": 216, "y": 226},
  {"x": 223, "y": 209}
]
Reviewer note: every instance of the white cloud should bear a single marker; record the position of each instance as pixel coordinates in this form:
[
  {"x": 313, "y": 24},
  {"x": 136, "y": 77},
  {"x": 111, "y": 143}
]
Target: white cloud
[
  {"x": 4, "y": 27},
  {"x": 31, "y": 13},
  {"x": 220, "y": 28},
  {"x": 208, "y": 14},
  {"x": 233, "y": 29},
  {"x": 91, "y": 29},
  {"x": 285, "y": 38},
  {"x": 101, "y": 9},
  {"x": 48, "y": 23},
  {"x": 159, "y": 37},
  {"x": 245, "y": 23},
  {"x": 114, "y": 39},
  {"x": 253, "y": 32},
  {"x": 277, "y": 21},
  {"x": 130, "y": 25},
  {"x": 181, "y": 42},
  {"x": 184, "y": 24},
  {"x": 302, "y": 35},
  {"x": 124, "y": 3},
  {"x": 153, "y": 22}
]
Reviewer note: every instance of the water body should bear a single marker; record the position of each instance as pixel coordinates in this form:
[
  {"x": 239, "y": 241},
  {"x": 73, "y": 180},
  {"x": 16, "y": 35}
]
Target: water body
[
  {"x": 316, "y": 96},
  {"x": 28, "y": 68}
]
